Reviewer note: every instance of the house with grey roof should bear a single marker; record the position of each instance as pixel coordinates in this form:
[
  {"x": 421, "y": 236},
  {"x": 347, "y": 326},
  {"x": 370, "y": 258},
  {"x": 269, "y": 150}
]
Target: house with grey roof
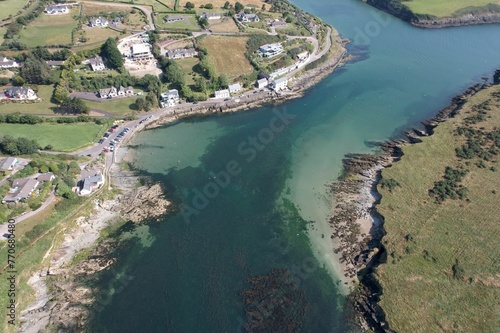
[
  {"x": 56, "y": 10},
  {"x": 20, "y": 93},
  {"x": 211, "y": 16},
  {"x": 21, "y": 188},
  {"x": 170, "y": 98},
  {"x": 45, "y": 177},
  {"x": 8, "y": 164},
  {"x": 181, "y": 53},
  {"x": 108, "y": 92},
  {"x": 262, "y": 83},
  {"x": 278, "y": 23},
  {"x": 96, "y": 63},
  {"x": 235, "y": 87},
  {"x": 89, "y": 184},
  {"x": 279, "y": 84},
  {"x": 100, "y": 22},
  {"x": 222, "y": 94},
  {"x": 7, "y": 63},
  {"x": 243, "y": 17},
  {"x": 173, "y": 18}
]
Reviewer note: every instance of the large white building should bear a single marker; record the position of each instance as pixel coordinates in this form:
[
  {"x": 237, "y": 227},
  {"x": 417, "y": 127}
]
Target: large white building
[
  {"x": 141, "y": 52},
  {"x": 280, "y": 84},
  {"x": 222, "y": 94},
  {"x": 170, "y": 98},
  {"x": 234, "y": 87},
  {"x": 270, "y": 50}
]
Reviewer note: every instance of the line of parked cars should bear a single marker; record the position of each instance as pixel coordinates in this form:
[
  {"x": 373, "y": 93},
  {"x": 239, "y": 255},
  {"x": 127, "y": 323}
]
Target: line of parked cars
[{"x": 119, "y": 137}]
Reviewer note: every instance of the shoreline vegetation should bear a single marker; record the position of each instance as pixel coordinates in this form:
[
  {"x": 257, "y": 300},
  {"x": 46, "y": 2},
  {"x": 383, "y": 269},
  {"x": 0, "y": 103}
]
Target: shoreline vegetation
[
  {"x": 64, "y": 298},
  {"x": 469, "y": 15},
  {"x": 360, "y": 234}
]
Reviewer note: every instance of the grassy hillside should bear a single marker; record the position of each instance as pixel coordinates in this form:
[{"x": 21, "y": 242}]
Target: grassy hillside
[
  {"x": 442, "y": 272},
  {"x": 443, "y": 8}
]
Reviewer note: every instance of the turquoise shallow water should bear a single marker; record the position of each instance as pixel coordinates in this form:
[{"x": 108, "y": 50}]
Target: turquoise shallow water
[{"x": 188, "y": 270}]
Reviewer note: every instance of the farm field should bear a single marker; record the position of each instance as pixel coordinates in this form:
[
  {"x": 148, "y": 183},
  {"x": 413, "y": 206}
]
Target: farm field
[
  {"x": 49, "y": 30},
  {"x": 443, "y": 8},
  {"x": 10, "y": 7},
  {"x": 95, "y": 36},
  {"x": 63, "y": 137},
  {"x": 43, "y": 107},
  {"x": 442, "y": 270},
  {"x": 226, "y": 25},
  {"x": 227, "y": 54}
]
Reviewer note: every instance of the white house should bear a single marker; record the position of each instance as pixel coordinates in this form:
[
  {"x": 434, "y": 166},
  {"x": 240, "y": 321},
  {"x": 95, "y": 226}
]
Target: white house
[
  {"x": 141, "y": 52},
  {"x": 211, "y": 16},
  {"x": 8, "y": 164},
  {"x": 222, "y": 94},
  {"x": 278, "y": 23},
  {"x": 122, "y": 91},
  {"x": 20, "y": 93},
  {"x": 262, "y": 83},
  {"x": 108, "y": 92},
  {"x": 280, "y": 84},
  {"x": 270, "y": 50},
  {"x": 248, "y": 17},
  {"x": 6, "y": 63},
  {"x": 181, "y": 53},
  {"x": 56, "y": 10},
  {"x": 173, "y": 18},
  {"x": 100, "y": 22},
  {"x": 90, "y": 184},
  {"x": 170, "y": 98},
  {"x": 97, "y": 64},
  {"x": 235, "y": 87},
  {"x": 303, "y": 55}
]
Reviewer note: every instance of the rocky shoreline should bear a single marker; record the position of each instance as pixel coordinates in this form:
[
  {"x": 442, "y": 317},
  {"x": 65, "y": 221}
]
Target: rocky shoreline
[
  {"x": 427, "y": 21},
  {"x": 64, "y": 294},
  {"x": 360, "y": 245}
]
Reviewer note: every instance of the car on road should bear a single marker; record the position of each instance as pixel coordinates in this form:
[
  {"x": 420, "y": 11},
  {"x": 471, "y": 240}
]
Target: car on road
[
  {"x": 101, "y": 140},
  {"x": 112, "y": 143},
  {"x": 106, "y": 135},
  {"x": 105, "y": 150}
]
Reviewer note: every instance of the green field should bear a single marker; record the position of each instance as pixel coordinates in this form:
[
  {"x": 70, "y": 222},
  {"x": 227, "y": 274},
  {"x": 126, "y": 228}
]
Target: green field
[
  {"x": 63, "y": 137},
  {"x": 442, "y": 8},
  {"x": 43, "y": 107},
  {"x": 49, "y": 30},
  {"x": 10, "y": 7},
  {"x": 424, "y": 289},
  {"x": 119, "y": 106},
  {"x": 189, "y": 23}
]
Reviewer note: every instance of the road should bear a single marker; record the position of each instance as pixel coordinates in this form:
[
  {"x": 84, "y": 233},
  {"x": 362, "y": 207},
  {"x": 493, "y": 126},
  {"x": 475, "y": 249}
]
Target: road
[{"x": 3, "y": 227}]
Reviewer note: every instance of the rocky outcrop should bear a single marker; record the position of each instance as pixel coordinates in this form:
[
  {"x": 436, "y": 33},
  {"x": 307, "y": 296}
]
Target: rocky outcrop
[{"x": 145, "y": 202}]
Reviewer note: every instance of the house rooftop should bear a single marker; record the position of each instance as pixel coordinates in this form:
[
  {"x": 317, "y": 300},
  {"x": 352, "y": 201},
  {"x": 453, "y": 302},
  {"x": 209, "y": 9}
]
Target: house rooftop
[{"x": 140, "y": 48}]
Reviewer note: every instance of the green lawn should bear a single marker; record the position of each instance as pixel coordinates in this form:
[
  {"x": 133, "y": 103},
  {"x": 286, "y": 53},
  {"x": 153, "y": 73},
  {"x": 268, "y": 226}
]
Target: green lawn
[
  {"x": 421, "y": 292},
  {"x": 10, "y": 7},
  {"x": 63, "y": 137},
  {"x": 188, "y": 66},
  {"x": 442, "y": 8},
  {"x": 43, "y": 107},
  {"x": 191, "y": 23},
  {"x": 118, "y": 106},
  {"x": 49, "y": 30}
]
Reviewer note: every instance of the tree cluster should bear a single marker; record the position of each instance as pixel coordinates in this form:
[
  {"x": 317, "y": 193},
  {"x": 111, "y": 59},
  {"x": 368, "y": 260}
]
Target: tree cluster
[
  {"x": 17, "y": 146},
  {"x": 74, "y": 106},
  {"x": 449, "y": 187},
  {"x": 110, "y": 52}
]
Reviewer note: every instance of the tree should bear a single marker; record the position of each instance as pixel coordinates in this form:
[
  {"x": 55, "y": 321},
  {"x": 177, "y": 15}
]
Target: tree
[
  {"x": 238, "y": 7},
  {"x": 174, "y": 73},
  {"x": 223, "y": 81},
  {"x": 263, "y": 7},
  {"x": 36, "y": 71},
  {"x": 209, "y": 6},
  {"x": 227, "y": 5},
  {"x": 141, "y": 104},
  {"x": 152, "y": 100},
  {"x": 110, "y": 52},
  {"x": 18, "y": 81},
  {"x": 61, "y": 93},
  {"x": 189, "y": 5},
  {"x": 74, "y": 106},
  {"x": 203, "y": 22}
]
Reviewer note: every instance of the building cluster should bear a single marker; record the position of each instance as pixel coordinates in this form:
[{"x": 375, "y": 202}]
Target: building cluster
[
  {"x": 270, "y": 50},
  {"x": 226, "y": 93},
  {"x": 112, "y": 92},
  {"x": 265, "y": 81},
  {"x": 22, "y": 188}
]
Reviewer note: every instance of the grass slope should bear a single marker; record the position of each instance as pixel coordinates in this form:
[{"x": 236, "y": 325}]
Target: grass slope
[
  {"x": 49, "y": 30},
  {"x": 442, "y": 8},
  {"x": 10, "y": 7},
  {"x": 63, "y": 137},
  {"x": 227, "y": 54},
  {"x": 424, "y": 239}
]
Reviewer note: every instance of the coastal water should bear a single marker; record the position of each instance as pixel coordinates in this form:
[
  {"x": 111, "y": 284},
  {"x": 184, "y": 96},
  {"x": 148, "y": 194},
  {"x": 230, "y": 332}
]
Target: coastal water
[{"x": 249, "y": 184}]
